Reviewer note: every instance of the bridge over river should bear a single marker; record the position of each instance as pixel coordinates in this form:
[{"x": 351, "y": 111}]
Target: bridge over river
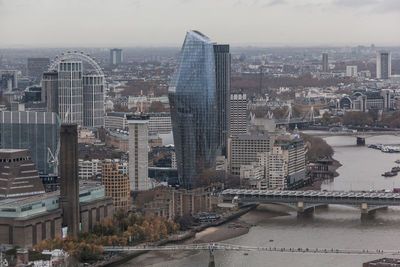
[
  {"x": 211, "y": 247},
  {"x": 303, "y": 201}
]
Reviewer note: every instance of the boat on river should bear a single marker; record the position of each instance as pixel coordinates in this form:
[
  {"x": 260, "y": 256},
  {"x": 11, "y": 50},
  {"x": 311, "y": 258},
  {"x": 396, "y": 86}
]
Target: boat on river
[{"x": 389, "y": 174}]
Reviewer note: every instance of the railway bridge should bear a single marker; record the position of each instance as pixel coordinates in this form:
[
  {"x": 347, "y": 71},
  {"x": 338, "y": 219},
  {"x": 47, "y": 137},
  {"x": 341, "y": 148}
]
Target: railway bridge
[{"x": 304, "y": 201}]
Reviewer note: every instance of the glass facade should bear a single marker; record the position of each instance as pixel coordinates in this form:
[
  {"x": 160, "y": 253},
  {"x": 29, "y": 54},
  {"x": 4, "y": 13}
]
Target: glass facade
[
  {"x": 192, "y": 97},
  {"x": 35, "y": 131}
]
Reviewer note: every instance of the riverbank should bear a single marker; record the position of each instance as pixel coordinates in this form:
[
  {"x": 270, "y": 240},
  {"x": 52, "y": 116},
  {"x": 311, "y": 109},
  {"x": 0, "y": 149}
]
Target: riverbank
[
  {"x": 188, "y": 236},
  {"x": 226, "y": 231}
]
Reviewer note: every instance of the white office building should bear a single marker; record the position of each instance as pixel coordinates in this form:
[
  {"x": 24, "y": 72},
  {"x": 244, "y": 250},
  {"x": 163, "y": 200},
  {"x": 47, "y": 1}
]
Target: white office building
[{"x": 138, "y": 152}]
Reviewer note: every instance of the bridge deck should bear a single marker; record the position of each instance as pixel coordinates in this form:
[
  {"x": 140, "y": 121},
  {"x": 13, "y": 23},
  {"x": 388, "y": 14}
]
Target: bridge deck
[
  {"x": 328, "y": 197},
  {"x": 230, "y": 247}
]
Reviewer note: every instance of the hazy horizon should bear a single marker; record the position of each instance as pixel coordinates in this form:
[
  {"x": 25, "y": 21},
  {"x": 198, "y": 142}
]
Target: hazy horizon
[{"x": 151, "y": 23}]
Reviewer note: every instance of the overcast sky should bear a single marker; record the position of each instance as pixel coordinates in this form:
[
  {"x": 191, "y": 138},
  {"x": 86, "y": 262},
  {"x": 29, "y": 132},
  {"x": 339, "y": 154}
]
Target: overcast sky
[{"x": 164, "y": 22}]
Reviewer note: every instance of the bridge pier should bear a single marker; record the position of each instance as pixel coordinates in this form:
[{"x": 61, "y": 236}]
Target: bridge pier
[
  {"x": 211, "y": 262},
  {"x": 303, "y": 211},
  {"x": 360, "y": 141}
]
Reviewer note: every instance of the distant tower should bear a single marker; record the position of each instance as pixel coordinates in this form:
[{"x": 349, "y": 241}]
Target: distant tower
[
  {"x": 223, "y": 88},
  {"x": 383, "y": 65},
  {"x": 69, "y": 185},
  {"x": 138, "y": 152},
  {"x": 115, "y": 56},
  {"x": 93, "y": 100},
  {"x": 325, "y": 63},
  {"x": 70, "y": 91},
  {"x": 50, "y": 91},
  {"x": 238, "y": 114}
]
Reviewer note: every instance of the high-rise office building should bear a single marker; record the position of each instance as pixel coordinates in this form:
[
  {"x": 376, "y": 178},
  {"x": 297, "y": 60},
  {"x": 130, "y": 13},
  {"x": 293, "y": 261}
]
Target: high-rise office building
[
  {"x": 223, "y": 88},
  {"x": 70, "y": 92},
  {"x": 383, "y": 65},
  {"x": 192, "y": 98},
  {"x": 325, "y": 63},
  {"x": 138, "y": 152},
  {"x": 18, "y": 175},
  {"x": 116, "y": 56},
  {"x": 93, "y": 100},
  {"x": 50, "y": 91},
  {"x": 36, "y": 67},
  {"x": 116, "y": 185},
  {"x": 238, "y": 114},
  {"x": 36, "y": 131}
]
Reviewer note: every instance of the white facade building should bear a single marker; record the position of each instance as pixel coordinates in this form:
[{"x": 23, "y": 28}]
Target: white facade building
[
  {"x": 351, "y": 71},
  {"x": 238, "y": 114},
  {"x": 89, "y": 169},
  {"x": 160, "y": 123},
  {"x": 70, "y": 92},
  {"x": 93, "y": 100}
]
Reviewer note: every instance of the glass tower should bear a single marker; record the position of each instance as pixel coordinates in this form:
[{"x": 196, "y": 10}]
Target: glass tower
[{"x": 192, "y": 97}]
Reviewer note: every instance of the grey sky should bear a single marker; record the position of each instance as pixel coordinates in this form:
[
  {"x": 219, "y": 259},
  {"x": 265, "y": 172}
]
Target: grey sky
[{"x": 164, "y": 22}]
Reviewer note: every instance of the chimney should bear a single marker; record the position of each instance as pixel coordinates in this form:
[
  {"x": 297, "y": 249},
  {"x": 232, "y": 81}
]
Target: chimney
[{"x": 69, "y": 185}]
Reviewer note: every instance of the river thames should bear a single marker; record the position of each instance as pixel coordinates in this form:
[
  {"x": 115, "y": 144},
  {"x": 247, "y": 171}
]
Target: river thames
[{"x": 332, "y": 227}]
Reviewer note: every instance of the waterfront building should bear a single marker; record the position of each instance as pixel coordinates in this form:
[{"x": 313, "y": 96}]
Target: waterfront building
[
  {"x": 238, "y": 114},
  {"x": 18, "y": 175},
  {"x": 116, "y": 184},
  {"x": 116, "y": 56},
  {"x": 138, "y": 152},
  {"x": 325, "y": 62},
  {"x": 93, "y": 100},
  {"x": 383, "y": 65},
  {"x": 171, "y": 203},
  {"x": 368, "y": 100},
  {"x": 70, "y": 92},
  {"x": 36, "y": 67},
  {"x": 223, "y": 88},
  {"x": 245, "y": 149},
  {"x": 50, "y": 91},
  {"x": 192, "y": 97},
  {"x": 38, "y": 132},
  {"x": 351, "y": 71}
]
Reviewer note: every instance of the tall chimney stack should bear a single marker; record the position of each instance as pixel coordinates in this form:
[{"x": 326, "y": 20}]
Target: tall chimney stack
[{"x": 69, "y": 185}]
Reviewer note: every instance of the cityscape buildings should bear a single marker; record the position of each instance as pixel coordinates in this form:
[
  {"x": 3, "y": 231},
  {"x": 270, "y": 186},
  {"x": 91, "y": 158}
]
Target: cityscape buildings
[
  {"x": 351, "y": 71},
  {"x": 383, "y": 65},
  {"x": 138, "y": 152},
  {"x": 192, "y": 97},
  {"x": 8, "y": 80}
]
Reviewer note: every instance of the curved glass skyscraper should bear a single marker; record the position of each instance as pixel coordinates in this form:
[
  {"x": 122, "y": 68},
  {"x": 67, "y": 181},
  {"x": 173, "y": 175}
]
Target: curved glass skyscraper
[{"x": 192, "y": 97}]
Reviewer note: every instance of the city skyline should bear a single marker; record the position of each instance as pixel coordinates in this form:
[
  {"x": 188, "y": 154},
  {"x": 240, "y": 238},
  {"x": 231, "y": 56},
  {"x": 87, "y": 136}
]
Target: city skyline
[{"x": 140, "y": 23}]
